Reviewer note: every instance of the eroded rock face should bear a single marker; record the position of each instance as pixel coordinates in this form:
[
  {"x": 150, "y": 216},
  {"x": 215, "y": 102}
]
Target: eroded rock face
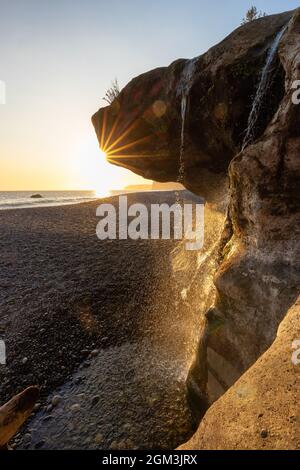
[
  {"x": 261, "y": 410},
  {"x": 258, "y": 277},
  {"x": 257, "y": 282},
  {"x": 141, "y": 130},
  {"x": 259, "y": 272}
]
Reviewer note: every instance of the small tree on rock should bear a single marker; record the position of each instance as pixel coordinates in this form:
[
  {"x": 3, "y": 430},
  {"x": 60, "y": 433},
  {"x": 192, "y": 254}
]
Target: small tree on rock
[
  {"x": 113, "y": 92},
  {"x": 253, "y": 14}
]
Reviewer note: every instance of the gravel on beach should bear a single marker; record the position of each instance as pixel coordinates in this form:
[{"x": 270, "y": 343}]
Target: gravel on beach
[{"x": 96, "y": 319}]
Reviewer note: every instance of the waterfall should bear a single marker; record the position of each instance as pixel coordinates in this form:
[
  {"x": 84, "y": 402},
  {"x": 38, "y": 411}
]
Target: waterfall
[
  {"x": 184, "y": 91},
  {"x": 264, "y": 83},
  {"x": 179, "y": 262},
  {"x": 193, "y": 271}
]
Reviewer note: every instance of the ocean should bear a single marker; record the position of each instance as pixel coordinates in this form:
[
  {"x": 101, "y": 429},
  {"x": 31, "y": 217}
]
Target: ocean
[{"x": 23, "y": 199}]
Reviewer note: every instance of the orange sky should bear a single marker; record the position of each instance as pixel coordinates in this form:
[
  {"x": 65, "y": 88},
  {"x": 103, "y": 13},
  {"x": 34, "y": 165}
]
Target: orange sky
[
  {"x": 58, "y": 58},
  {"x": 34, "y": 158}
]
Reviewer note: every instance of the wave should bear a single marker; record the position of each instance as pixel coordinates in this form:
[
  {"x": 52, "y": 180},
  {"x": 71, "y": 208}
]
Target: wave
[{"x": 23, "y": 203}]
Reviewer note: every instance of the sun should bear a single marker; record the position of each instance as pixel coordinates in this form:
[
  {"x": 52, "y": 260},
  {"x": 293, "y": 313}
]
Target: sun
[
  {"x": 105, "y": 175},
  {"x": 102, "y": 154},
  {"x": 104, "y": 178},
  {"x": 94, "y": 171},
  {"x": 90, "y": 167}
]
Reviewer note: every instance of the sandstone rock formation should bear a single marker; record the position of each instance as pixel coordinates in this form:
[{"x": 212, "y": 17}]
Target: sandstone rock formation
[
  {"x": 261, "y": 410},
  {"x": 258, "y": 277},
  {"x": 141, "y": 130},
  {"x": 257, "y": 280}
]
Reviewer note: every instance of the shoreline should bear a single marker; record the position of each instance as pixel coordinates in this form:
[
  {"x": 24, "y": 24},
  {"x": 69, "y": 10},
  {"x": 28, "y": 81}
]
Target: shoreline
[
  {"x": 44, "y": 203},
  {"x": 64, "y": 295}
]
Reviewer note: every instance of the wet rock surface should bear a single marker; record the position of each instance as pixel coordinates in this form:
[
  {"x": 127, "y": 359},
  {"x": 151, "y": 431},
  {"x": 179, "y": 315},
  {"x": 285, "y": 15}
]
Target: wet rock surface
[{"x": 257, "y": 279}]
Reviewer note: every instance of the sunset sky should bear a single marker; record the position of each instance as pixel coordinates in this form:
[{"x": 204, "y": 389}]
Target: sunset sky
[{"x": 57, "y": 59}]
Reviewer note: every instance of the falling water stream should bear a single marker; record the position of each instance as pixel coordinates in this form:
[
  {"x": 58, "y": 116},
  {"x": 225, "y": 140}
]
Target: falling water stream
[
  {"x": 192, "y": 271},
  {"x": 263, "y": 86},
  {"x": 178, "y": 254},
  {"x": 184, "y": 88}
]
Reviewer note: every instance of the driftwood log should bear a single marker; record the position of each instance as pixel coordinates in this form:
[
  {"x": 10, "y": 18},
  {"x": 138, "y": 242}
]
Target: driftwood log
[{"x": 15, "y": 412}]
